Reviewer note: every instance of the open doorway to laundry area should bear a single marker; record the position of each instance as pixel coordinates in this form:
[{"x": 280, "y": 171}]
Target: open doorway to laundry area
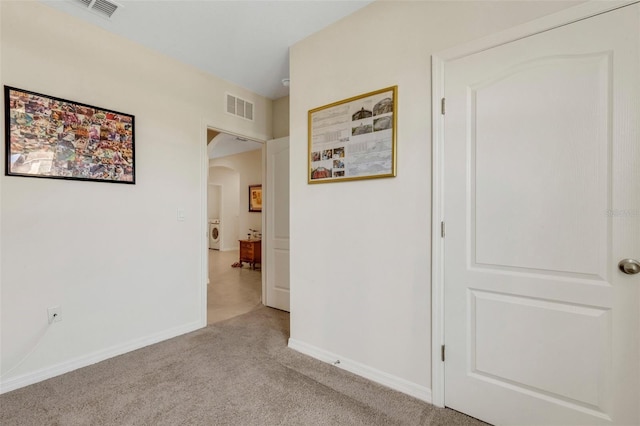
[{"x": 235, "y": 164}]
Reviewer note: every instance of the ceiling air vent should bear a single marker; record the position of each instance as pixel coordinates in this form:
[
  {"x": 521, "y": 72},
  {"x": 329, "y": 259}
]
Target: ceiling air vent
[
  {"x": 239, "y": 107},
  {"x": 103, "y": 8}
]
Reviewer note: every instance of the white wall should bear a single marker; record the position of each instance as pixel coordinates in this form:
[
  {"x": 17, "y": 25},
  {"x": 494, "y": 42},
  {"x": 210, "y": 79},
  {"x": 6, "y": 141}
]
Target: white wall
[
  {"x": 249, "y": 166},
  {"x": 122, "y": 269},
  {"x": 229, "y": 182},
  {"x": 214, "y": 200},
  {"x": 280, "y": 117},
  {"x": 360, "y": 251}
]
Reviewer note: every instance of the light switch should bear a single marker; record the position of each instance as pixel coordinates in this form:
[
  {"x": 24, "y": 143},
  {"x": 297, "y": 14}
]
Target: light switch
[{"x": 181, "y": 215}]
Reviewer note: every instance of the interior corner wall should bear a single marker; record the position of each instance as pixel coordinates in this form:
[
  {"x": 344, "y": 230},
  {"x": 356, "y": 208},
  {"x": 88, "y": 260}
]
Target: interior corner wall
[
  {"x": 115, "y": 259},
  {"x": 281, "y": 117},
  {"x": 229, "y": 181},
  {"x": 249, "y": 166},
  {"x": 214, "y": 197},
  {"x": 360, "y": 250}
]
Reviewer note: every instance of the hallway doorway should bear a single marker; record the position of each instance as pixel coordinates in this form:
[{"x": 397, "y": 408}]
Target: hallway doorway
[{"x": 235, "y": 164}]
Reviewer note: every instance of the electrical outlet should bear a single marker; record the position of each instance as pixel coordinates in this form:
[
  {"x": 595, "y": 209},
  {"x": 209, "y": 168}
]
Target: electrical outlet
[{"x": 55, "y": 314}]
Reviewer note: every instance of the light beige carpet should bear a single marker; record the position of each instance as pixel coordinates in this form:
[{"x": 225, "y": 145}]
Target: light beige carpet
[{"x": 235, "y": 372}]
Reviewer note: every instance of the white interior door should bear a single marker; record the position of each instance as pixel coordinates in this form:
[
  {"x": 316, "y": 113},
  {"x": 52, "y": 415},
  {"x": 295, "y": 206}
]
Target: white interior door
[
  {"x": 276, "y": 193},
  {"x": 542, "y": 200}
]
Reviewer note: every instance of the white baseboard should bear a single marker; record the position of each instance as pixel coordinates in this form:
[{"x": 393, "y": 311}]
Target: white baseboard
[
  {"x": 95, "y": 357},
  {"x": 396, "y": 383}
]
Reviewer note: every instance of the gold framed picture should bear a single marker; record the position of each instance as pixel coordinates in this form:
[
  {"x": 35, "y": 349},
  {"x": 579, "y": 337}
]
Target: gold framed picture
[{"x": 354, "y": 139}]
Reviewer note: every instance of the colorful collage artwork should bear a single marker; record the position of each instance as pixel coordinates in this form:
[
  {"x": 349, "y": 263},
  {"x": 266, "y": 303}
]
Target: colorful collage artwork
[{"x": 56, "y": 138}]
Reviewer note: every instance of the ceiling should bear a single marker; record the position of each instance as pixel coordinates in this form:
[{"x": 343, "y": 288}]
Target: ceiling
[
  {"x": 224, "y": 144},
  {"x": 244, "y": 42}
]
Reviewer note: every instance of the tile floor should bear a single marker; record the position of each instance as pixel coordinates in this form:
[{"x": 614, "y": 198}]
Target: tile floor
[{"x": 231, "y": 291}]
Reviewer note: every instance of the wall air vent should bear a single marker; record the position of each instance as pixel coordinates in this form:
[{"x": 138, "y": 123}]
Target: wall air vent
[
  {"x": 104, "y": 8},
  {"x": 239, "y": 107}
]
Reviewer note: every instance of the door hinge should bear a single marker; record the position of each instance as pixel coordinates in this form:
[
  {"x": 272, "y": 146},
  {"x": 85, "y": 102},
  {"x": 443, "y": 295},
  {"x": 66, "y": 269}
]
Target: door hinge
[
  {"x": 442, "y": 352},
  {"x": 442, "y": 229},
  {"x": 442, "y": 105}
]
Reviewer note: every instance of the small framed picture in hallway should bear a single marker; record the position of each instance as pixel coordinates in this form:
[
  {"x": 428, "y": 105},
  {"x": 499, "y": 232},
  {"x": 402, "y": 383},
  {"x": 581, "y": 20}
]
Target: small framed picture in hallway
[{"x": 255, "y": 198}]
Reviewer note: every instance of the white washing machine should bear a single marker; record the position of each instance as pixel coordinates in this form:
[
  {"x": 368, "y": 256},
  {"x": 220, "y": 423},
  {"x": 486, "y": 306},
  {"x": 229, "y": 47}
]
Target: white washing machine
[{"x": 214, "y": 234}]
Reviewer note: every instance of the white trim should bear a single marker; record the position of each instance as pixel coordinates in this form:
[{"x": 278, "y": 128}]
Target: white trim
[
  {"x": 437, "y": 242},
  {"x": 417, "y": 391},
  {"x": 204, "y": 219},
  {"x": 265, "y": 230},
  {"x": 546, "y": 23},
  {"x": 204, "y": 223},
  {"x": 95, "y": 357}
]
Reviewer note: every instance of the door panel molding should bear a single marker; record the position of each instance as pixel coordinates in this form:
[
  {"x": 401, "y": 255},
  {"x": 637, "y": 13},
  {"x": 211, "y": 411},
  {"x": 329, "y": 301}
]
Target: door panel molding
[
  {"x": 275, "y": 235},
  {"x": 438, "y": 61}
]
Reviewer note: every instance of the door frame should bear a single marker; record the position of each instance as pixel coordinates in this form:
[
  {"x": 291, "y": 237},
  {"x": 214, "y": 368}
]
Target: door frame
[
  {"x": 438, "y": 61},
  {"x": 266, "y": 229},
  {"x": 204, "y": 220}
]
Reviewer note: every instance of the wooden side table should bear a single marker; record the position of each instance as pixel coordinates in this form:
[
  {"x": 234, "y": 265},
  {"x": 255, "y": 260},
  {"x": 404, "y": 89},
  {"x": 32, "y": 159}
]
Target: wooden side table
[{"x": 250, "y": 252}]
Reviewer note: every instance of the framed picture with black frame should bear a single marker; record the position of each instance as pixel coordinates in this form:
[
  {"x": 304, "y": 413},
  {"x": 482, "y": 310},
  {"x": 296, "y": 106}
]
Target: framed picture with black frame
[
  {"x": 255, "y": 198},
  {"x": 49, "y": 137}
]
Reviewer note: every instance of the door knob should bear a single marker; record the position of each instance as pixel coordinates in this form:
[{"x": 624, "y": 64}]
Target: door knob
[{"x": 629, "y": 266}]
